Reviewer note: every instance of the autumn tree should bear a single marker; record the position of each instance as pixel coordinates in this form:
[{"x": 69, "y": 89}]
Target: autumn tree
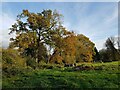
[
  {"x": 69, "y": 50},
  {"x": 59, "y": 45},
  {"x": 73, "y": 49},
  {"x": 34, "y": 30},
  {"x": 42, "y": 36},
  {"x": 85, "y": 49}
]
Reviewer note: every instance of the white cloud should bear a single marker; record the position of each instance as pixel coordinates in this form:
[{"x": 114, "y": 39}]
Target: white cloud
[
  {"x": 67, "y": 25},
  {"x": 6, "y": 22},
  {"x": 98, "y": 26},
  {"x": 100, "y": 44}
]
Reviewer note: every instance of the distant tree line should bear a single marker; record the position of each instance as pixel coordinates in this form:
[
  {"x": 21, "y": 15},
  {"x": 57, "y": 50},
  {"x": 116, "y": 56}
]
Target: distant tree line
[{"x": 111, "y": 52}]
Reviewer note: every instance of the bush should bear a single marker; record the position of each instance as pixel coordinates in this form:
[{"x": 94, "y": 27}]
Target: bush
[
  {"x": 12, "y": 62},
  {"x": 43, "y": 65},
  {"x": 84, "y": 67},
  {"x": 31, "y": 62},
  {"x": 12, "y": 57}
]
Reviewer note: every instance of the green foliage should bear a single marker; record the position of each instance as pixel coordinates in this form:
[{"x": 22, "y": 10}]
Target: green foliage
[
  {"x": 96, "y": 56},
  {"x": 107, "y": 56},
  {"x": 104, "y": 55},
  {"x": 12, "y": 62},
  {"x": 31, "y": 62},
  {"x": 44, "y": 65},
  {"x": 110, "y": 53},
  {"x": 12, "y": 57}
]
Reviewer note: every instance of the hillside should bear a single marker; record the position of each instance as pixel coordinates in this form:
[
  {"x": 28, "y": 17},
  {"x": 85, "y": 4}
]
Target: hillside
[{"x": 100, "y": 75}]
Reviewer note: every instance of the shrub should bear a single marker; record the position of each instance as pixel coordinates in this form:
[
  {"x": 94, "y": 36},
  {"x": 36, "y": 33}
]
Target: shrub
[
  {"x": 12, "y": 62},
  {"x": 31, "y": 62},
  {"x": 84, "y": 67}
]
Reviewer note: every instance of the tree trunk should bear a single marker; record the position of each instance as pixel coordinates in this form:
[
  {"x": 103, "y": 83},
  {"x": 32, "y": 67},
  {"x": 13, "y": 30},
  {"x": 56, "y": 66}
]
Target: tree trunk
[{"x": 38, "y": 51}]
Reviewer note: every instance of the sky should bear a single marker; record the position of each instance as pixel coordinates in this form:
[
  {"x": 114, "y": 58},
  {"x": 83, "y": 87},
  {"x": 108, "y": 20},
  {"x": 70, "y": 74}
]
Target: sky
[
  {"x": 61, "y": 0},
  {"x": 96, "y": 20}
]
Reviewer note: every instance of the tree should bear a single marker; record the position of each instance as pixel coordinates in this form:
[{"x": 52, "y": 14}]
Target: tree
[
  {"x": 111, "y": 49},
  {"x": 69, "y": 50},
  {"x": 39, "y": 33},
  {"x": 97, "y": 55},
  {"x": 118, "y": 43},
  {"x": 72, "y": 48},
  {"x": 63, "y": 44},
  {"x": 105, "y": 55},
  {"x": 84, "y": 49},
  {"x": 34, "y": 30},
  {"x": 110, "y": 45}
]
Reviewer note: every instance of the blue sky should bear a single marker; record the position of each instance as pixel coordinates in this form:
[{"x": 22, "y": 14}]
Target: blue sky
[{"x": 96, "y": 20}]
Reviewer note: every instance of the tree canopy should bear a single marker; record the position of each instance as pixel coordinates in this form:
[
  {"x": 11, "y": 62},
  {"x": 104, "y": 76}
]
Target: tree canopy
[{"x": 40, "y": 33}]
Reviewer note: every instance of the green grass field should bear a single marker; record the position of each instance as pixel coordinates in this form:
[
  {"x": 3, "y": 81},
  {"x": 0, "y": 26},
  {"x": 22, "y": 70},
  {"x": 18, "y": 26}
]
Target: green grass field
[{"x": 104, "y": 75}]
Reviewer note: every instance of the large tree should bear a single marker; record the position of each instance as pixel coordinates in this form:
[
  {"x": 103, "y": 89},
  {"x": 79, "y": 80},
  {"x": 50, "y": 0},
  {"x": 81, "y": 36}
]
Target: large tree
[
  {"x": 33, "y": 30},
  {"x": 72, "y": 49},
  {"x": 39, "y": 33},
  {"x": 62, "y": 43}
]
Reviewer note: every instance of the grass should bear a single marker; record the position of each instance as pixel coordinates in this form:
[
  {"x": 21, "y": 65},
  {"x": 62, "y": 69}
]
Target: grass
[{"x": 105, "y": 76}]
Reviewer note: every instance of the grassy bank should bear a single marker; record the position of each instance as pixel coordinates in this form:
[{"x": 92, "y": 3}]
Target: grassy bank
[{"x": 104, "y": 75}]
